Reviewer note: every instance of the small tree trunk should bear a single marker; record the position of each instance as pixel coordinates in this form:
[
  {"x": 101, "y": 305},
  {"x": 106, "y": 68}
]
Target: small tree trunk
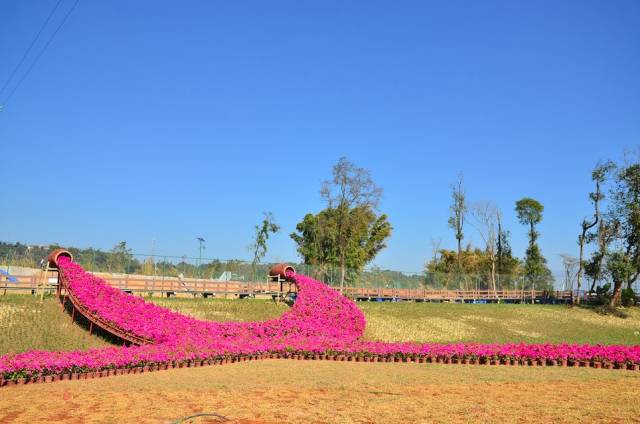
[
  {"x": 493, "y": 277},
  {"x": 342, "y": 275},
  {"x": 593, "y": 286},
  {"x": 616, "y": 298},
  {"x": 576, "y": 300}
]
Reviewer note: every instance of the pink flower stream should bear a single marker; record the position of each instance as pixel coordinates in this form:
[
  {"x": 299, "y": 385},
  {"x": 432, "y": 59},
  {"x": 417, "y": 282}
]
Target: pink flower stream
[{"x": 321, "y": 321}]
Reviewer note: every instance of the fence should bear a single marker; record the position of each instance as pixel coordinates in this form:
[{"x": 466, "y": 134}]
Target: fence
[
  {"x": 170, "y": 286},
  {"x": 184, "y": 267}
]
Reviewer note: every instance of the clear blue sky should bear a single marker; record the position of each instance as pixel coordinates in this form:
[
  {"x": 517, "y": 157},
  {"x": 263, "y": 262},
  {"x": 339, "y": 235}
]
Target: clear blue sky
[{"x": 167, "y": 121}]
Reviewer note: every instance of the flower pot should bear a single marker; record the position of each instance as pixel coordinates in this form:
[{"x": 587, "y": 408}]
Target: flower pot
[{"x": 596, "y": 364}]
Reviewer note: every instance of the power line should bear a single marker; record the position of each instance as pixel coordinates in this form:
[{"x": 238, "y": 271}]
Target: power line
[
  {"x": 33, "y": 42},
  {"x": 26, "y": 74}
]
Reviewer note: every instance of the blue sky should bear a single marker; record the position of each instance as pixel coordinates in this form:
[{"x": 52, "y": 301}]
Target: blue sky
[{"x": 166, "y": 121}]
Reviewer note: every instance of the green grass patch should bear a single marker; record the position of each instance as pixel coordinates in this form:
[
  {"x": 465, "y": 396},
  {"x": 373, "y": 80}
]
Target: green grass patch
[
  {"x": 223, "y": 309},
  {"x": 498, "y": 323},
  {"x": 27, "y": 324}
]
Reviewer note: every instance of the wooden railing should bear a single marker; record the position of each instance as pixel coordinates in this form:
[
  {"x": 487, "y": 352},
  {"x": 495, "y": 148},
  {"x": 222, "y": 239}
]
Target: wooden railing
[
  {"x": 431, "y": 294},
  {"x": 159, "y": 285}
]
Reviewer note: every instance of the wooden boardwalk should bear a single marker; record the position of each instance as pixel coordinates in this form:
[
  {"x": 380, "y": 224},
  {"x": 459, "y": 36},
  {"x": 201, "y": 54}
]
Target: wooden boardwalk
[{"x": 201, "y": 287}]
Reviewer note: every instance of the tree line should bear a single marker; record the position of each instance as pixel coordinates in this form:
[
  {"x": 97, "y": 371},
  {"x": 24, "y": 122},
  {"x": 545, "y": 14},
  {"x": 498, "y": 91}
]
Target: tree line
[{"x": 338, "y": 242}]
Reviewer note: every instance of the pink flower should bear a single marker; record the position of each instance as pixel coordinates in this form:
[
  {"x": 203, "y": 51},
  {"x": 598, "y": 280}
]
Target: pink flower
[{"x": 320, "y": 321}]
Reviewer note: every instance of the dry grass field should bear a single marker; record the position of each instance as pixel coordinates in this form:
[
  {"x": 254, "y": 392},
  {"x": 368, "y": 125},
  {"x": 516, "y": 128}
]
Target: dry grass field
[{"x": 287, "y": 391}]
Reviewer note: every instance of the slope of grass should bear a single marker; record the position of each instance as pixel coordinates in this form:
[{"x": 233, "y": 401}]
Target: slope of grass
[
  {"x": 441, "y": 322},
  {"x": 224, "y": 309},
  {"x": 26, "y": 324}
]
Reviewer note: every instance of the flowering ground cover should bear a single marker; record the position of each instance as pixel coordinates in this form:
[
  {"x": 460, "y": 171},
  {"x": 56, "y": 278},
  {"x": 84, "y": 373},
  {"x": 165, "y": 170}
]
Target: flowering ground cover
[{"x": 321, "y": 323}]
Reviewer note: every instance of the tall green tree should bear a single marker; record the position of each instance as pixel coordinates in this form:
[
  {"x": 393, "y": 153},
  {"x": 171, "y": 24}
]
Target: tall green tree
[
  {"x": 458, "y": 210},
  {"x": 318, "y": 239},
  {"x": 624, "y": 211},
  {"x": 599, "y": 176},
  {"x": 120, "y": 259},
  {"x": 621, "y": 270},
  {"x": 537, "y": 273},
  {"x": 259, "y": 246},
  {"x": 507, "y": 264},
  {"x": 350, "y": 189}
]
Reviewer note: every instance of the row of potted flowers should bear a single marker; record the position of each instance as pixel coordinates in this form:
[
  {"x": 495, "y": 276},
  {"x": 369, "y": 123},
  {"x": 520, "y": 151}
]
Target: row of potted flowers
[{"x": 76, "y": 373}]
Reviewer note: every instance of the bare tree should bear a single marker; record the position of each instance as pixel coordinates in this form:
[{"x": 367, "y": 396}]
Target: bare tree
[
  {"x": 458, "y": 213},
  {"x": 436, "y": 244},
  {"x": 570, "y": 264},
  {"x": 350, "y": 187},
  {"x": 486, "y": 219}
]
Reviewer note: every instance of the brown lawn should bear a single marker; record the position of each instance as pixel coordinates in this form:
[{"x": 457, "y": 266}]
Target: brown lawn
[{"x": 287, "y": 391}]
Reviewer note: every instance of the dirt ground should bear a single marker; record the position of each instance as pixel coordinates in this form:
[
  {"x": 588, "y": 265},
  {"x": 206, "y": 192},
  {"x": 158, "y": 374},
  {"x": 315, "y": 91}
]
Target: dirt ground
[{"x": 287, "y": 391}]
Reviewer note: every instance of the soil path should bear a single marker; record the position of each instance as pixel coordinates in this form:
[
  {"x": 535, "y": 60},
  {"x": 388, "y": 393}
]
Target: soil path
[{"x": 286, "y": 391}]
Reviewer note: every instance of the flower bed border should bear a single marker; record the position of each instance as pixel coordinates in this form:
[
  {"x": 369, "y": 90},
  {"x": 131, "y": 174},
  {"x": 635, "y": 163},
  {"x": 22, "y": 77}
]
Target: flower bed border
[{"x": 336, "y": 356}]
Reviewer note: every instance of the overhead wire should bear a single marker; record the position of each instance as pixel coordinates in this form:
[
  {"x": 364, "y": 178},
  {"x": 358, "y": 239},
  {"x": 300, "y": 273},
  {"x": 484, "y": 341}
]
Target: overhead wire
[
  {"x": 44, "y": 48},
  {"x": 26, "y": 53}
]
